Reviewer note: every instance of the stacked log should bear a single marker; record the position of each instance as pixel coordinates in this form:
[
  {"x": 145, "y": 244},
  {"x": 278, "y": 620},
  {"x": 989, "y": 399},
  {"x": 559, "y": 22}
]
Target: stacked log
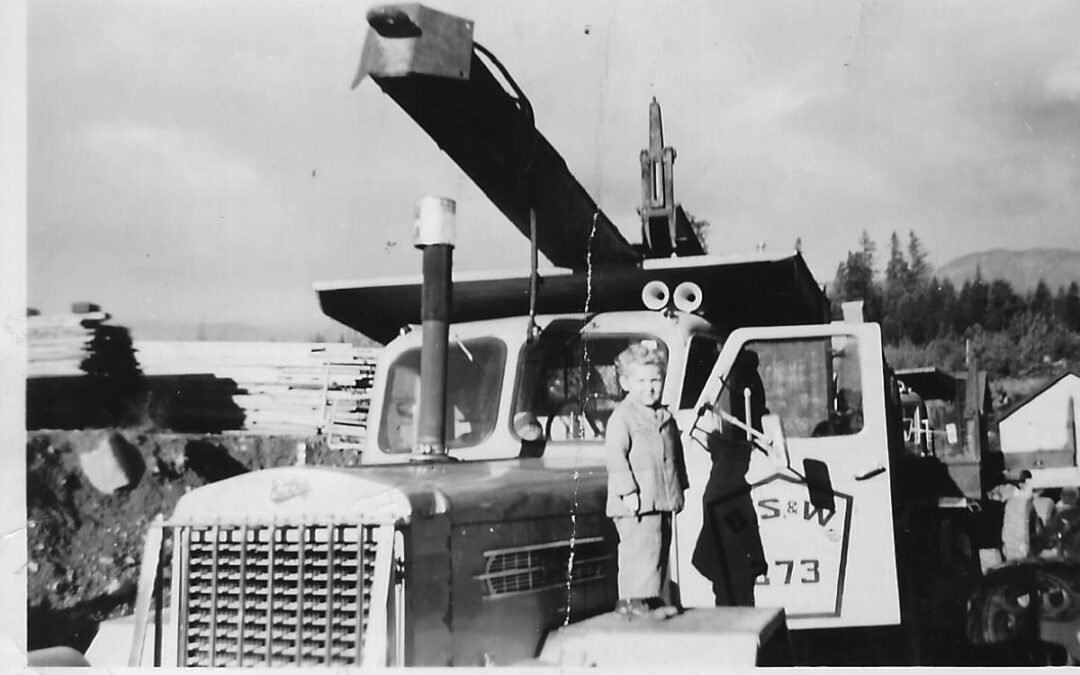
[
  {"x": 81, "y": 371},
  {"x": 272, "y": 388},
  {"x": 348, "y": 400},
  {"x": 59, "y": 344},
  {"x": 84, "y": 373}
]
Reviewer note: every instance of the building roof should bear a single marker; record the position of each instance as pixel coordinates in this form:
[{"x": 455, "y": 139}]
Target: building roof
[
  {"x": 930, "y": 383},
  {"x": 1036, "y": 394}
]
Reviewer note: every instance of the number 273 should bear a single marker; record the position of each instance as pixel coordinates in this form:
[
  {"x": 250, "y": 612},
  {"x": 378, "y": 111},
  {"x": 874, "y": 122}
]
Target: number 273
[{"x": 809, "y": 572}]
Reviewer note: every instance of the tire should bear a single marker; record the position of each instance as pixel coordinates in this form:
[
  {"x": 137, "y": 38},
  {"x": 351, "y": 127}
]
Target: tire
[{"x": 1005, "y": 610}]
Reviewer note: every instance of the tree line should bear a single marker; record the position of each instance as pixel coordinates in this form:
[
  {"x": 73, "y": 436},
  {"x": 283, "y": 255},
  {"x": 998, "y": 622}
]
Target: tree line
[{"x": 927, "y": 321}]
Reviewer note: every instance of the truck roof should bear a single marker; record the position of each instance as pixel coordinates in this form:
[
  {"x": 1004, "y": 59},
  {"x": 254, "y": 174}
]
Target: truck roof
[
  {"x": 604, "y": 322},
  {"x": 759, "y": 289}
]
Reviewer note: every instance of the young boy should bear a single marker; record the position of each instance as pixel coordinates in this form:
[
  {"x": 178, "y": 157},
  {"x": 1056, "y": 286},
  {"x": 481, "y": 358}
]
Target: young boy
[{"x": 646, "y": 480}]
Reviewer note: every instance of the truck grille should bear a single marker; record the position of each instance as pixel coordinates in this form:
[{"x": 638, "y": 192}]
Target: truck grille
[
  {"x": 275, "y": 594},
  {"x": 539, "y": 567}
]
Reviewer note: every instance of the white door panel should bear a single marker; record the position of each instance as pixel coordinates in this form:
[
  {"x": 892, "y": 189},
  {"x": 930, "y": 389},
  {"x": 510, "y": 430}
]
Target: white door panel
[{"x": 831, "y": 560}]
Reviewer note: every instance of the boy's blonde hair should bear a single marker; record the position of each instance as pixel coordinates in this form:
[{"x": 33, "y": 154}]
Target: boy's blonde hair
[{"x": 645, "y": 353}]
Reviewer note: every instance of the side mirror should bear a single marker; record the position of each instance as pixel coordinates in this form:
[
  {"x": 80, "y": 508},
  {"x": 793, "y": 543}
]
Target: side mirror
[
  {"x": 777, "y": 449},
  {"x": 951, "y": 433}
]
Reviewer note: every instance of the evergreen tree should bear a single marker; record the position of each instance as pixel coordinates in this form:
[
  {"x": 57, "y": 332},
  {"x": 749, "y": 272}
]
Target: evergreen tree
[
  {"x": 855, "y": 280},
  {"x": 918, "y": 267},
  {"x": 934, "y": 318},
  {"x": 946, "y": 309},
  {"x": 1002, "y": 305},
  {"x": 919, "y": 301},
  {"x": 896, "y": 270},
  {"x": 895, "y": 298},
  {"x": 868, "y": 249},
  {"x": 701, "y": 228},
  {"x": 971, "y": 309},
  {"x": 1068, "y": 307},
  {"x": 872, "y": 299},
  {"x": 1041, "y": 301}
]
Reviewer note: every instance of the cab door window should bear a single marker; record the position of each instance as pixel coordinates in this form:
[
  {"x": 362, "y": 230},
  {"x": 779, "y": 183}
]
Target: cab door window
[{"x": 813, "y": 384}]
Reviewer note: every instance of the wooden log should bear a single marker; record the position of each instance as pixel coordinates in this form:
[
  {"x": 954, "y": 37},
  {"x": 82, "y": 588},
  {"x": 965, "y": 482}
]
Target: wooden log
[
  {"x": 84, "y": 308},
  {"x": 76, "y": 339},
  {"x": 43, "y": 369},
  {"x": 74, "y": 357},
  {"x": 65, "y": 320}
]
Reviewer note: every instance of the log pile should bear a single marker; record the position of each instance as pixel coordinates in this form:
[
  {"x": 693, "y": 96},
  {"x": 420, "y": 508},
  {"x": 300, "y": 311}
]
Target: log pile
[
  {"x": 60, "y": 344},
  {"x": 264, "y": 387},
  {"x": 84, "y": 373},
  {"x": 81, "y": 371},
  {"x": 348, "y": 400}
]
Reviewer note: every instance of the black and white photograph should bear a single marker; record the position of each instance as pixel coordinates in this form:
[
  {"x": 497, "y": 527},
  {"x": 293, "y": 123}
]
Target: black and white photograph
[{"x": 609, "y": 333}]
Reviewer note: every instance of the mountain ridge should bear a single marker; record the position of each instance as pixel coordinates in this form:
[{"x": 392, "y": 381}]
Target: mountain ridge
[{"x": 1023, "y": 269}]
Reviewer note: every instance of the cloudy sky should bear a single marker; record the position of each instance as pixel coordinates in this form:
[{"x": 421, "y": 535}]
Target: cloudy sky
[{"x": 206, "y": 161}]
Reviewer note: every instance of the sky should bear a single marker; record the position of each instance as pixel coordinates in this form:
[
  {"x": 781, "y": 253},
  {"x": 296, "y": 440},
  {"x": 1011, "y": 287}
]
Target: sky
[{"x": 205, "y": 162}]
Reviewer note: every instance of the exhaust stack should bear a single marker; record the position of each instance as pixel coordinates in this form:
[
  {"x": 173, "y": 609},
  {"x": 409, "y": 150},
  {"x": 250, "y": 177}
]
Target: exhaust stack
[{"x": 434, "y": 235}]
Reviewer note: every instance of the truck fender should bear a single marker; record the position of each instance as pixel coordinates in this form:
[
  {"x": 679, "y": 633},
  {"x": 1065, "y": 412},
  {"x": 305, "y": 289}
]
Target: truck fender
[{"x": 62, "y": 656}]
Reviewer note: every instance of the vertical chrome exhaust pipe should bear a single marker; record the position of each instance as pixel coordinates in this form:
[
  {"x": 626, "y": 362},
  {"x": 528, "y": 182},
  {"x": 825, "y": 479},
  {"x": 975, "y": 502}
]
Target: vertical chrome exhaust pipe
[{"x": 434, "y": 236}]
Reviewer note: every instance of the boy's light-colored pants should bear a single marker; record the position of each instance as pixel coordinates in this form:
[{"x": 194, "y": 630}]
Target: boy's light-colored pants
[{"x": 644, "y": 542}]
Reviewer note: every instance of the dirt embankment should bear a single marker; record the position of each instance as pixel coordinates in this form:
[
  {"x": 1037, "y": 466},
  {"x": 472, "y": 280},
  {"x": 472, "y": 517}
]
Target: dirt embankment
[{"x": 85, "y": 546}]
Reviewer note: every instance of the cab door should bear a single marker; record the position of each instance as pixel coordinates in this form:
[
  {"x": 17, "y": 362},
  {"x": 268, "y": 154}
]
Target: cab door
[{"x": 823, "y": 513}]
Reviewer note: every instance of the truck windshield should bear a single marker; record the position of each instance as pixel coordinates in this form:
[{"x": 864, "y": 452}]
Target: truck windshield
[
  {"x": 473, "y": 384},
  {"x": 567, "y": 382}
]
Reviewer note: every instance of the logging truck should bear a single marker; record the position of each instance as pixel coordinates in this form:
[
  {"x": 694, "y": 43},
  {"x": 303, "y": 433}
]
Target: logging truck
[{"x": 473, "y": 530}]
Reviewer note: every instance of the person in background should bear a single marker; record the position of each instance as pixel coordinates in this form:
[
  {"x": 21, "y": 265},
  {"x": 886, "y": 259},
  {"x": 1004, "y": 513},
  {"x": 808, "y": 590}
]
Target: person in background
[
  {"x": 1044, "y": 502},
  {"x": 1060, "y": 536},
  {"x": 1018, "y": 523},
  {"x": 646, "y": 480}
]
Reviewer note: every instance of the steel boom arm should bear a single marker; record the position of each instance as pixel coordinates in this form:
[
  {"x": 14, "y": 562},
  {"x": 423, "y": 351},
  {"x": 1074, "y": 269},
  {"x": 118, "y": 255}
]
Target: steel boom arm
[{"x": 427, "y": 63}]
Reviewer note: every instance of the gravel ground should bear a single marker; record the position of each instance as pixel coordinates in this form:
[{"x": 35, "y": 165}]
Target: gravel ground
[{"x": 85, "y": 546}]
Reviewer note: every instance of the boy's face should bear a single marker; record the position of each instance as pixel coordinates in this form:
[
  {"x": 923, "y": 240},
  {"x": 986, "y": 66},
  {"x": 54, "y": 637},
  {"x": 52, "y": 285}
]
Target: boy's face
[{"x": 643, "y": 383}]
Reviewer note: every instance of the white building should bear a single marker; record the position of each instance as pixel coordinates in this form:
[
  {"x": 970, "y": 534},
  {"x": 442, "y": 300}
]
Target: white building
[{"x": 1041, "y": 431}]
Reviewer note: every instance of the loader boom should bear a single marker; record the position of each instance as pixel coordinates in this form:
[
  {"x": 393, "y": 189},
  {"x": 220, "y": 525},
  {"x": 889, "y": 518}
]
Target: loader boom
[{"x": 429, "y": 65}]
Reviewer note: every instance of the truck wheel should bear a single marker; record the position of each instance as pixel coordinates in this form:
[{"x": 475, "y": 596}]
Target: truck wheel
[
  {"x": 1056, "y": 601},
  {"x": 1003, "y": 613}
]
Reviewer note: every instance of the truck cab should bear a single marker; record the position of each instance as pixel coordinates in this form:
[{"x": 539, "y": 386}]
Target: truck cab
[{"x": 510, "y": 396}]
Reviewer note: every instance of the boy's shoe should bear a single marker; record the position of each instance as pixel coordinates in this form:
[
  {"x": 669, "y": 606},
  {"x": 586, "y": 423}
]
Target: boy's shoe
[
  {"x": 650, "y": 608},
  {"x": 632, "y": 608}
]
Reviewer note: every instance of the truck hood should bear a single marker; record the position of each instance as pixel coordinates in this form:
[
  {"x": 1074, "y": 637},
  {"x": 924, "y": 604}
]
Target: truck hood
[{"x": 467, "y": 492}]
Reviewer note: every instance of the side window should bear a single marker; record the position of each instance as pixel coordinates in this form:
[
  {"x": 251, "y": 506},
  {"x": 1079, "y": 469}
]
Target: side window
[
  {"x": 700, "y": 358},
  {"x": 474, "y": 381},
  {"x": 813, "y": 384}
]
